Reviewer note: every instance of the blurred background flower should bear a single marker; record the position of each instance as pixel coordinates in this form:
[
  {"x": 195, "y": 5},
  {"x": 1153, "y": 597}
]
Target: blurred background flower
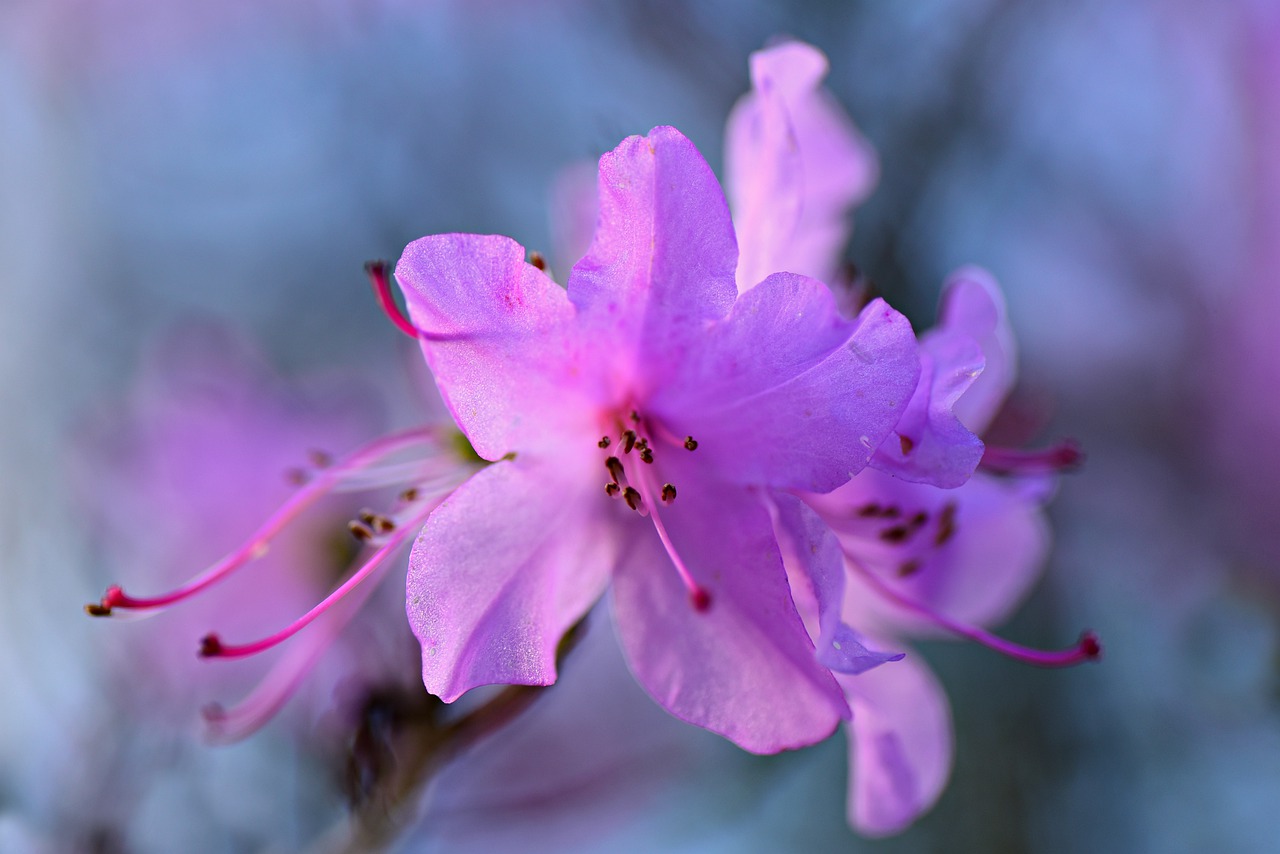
[{"x": 1113, "y": 163}]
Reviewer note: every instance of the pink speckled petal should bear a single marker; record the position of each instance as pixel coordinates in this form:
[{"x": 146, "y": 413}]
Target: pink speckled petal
[
  {"x": 500, "y": 340},
  {"x": 901, "y": 745},
  {"x": 502, "y": 569},
  {"x": 796, "y": 165}
]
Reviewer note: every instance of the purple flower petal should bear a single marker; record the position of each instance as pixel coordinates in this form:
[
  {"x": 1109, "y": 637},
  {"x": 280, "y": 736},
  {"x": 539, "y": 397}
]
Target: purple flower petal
[
  {"x": 973, "y": 554},
  {"x": 502, "y": 569},
  {"x": 661, "y": 265},
  {"x": 795, "y": 165},
  {"x": 501, "y": 344},
  {"x": 900, "y": 744},
  {"x": 745, "y": 667},
  {"x": 812, "y": 552},
  {"x": 973, "y": 304},
  {"x": 930, "y": 444},
  {"x": 786, "y": 392}
]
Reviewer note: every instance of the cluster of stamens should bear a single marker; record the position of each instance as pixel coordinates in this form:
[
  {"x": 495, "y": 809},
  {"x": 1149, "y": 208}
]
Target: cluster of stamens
[
  {"x": 639, "y": 439},
  {"x": 434, "y": 472},
  {"x": 901, "y": 529}
]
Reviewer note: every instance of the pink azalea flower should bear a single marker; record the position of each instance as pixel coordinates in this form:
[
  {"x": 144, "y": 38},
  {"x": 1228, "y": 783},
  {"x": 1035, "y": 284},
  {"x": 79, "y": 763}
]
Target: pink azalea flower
[
  {"x": 890, "y": 552},
  {"x": 922, "y": 560},
  {"x": 637, "y": 422}
]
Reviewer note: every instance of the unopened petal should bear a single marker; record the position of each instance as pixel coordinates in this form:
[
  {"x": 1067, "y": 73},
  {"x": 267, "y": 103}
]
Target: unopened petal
[{"x": 973, "y": 304}]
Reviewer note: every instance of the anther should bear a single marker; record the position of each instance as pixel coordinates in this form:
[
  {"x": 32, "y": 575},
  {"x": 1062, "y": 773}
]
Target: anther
[
  {"x": 296, "y": 476},
  {"x": 367, "y": 516},
  {"x": 360, "y": 531},
  {"x": 612, "y": 489},
  {"x": 614, "y": 465},
  {"x": 320, "y": 459},
  {"x": 668, "y": 493},
  {"x": 908, "y": 568},
  {"x": 896, "y": 534},
  {"x": 97, "y": 609},
  {"x": 946, "y": 524},
  {"x": 690, "y": 443},
  {"x": 632, "y": 496},
  {"x": 409, "y": 495},
  {"x": 646, "y": 455},
  {"x": 603, "y": 443},
  {"x": 628, "y": 440},
  {"x": 700, "y": 598},
  {"x": 918, "y": 520},
  {"x": 906, "y": 444},
  {"x": 869, "y": 510},
  {"x": 384, "y": 525},
  {"x": 536, "y": 259},
  {"x": 210, "y": 646},
  {"x": 635, "y": 416}
]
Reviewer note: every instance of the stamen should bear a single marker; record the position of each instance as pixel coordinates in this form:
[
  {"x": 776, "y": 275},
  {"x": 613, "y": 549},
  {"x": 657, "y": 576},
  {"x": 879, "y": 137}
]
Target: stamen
[
  {"x": 360, "y": 531},
  {"x": 612, "y": 489},
  {"x": 690, "y": 443},
  {"x": 632, "y": 496},
  {"x": 603, "y": 443},
  {"x": 628, "y": 440},
  {"x": 256, "y": 546},
  {"x": 377, "y": 272},
  {"x": 1064, "y": 456},
  {"x": 1086, "y": 649},
  {"x": 906, "y": 444},
  {"x": 616, "y": 471},
  {"x": 536, "y": 260},
  {"x": 266, "y": 699},
  {"x": 699, "y": 596},
  {"x": 668, "y": 493},
  {"x": 211, "y": 646},
  {"x": 946, "y": 524},
  {"x": 646, "y": 455}
]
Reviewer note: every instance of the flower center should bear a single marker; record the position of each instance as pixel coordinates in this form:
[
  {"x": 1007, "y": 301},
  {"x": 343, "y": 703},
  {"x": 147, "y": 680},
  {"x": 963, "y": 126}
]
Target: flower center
[{"x": 630, "y": 461}]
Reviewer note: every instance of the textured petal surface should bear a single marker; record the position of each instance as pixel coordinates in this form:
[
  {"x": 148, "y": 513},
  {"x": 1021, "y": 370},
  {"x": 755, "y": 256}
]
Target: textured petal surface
[
  {"x": 813, "y": 558},
  {"x": 795, "y": 165},
  {"x": 502, "y": 568},
  {"x": 661, "y": 265},
  {"x": 901, "y": 745},
  {"x": 930, "y": 444},
  {"x": 971, "y": 553},
  {"x": 745, "y": 668},
  {"x": 786, "y": 392},
  {"x": 973, "y": 304},
  {"x": 502, "y": 345}
]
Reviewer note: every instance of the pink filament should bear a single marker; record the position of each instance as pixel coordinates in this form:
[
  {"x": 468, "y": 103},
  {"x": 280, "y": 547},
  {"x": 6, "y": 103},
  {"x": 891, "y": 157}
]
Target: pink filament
[
  {"x": 1063, "y": 456},
  {"x": 1086, "y": 649},
  {"x": 377, "y": 271},
  {"x": 698, "y": 595},
  {"x": 212, "y": 646},
  {"x": 115, "y": 597}
]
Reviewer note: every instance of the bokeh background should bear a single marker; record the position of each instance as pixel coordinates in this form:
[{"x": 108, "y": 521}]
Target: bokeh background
[{"x": 1116, "y": 163}]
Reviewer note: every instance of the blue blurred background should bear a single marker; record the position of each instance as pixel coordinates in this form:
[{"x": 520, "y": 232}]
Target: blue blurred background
[{"x": 1113, "y": 162}]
